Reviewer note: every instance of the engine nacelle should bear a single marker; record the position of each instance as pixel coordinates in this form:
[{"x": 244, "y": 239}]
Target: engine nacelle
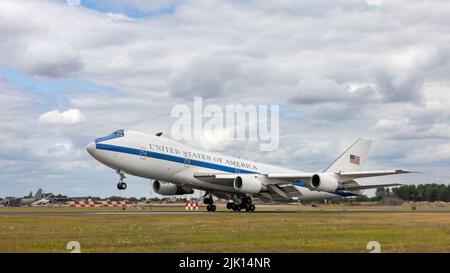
[
  {"x": 247, "y": 184},
  {"x": 169, "y": 189},
  {"x": 325, "y": 182}
]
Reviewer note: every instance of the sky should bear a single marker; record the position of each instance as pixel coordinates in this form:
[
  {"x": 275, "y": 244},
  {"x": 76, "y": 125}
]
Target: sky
[{"x": 339, "y": 70}]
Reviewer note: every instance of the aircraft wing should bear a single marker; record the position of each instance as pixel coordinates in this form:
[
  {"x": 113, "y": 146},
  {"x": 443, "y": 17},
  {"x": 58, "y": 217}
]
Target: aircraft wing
[
  {"x": 283, "y": 189},
  {"x": 367, "y": 187},
  {"x": 271, "y": 178},
  {"x": 217, "y": 175},
  {"x": 217, "y": 178},
  {"x": 288, "y": 178},
  {"x": 343, "y": 176},
  {"x": 362, "y": 174},
  {"x": 283, "y": 186}
]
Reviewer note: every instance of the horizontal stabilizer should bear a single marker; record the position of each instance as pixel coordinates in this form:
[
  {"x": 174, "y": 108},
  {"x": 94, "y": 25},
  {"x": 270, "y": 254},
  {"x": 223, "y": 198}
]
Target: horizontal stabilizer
[
  {"x": 367, "y": 187},
  {"x": 344, "y": 176}
]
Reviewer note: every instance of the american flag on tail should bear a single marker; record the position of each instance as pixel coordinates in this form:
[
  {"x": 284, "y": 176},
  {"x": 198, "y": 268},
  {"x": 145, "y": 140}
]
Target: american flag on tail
[{"x": 354, "y": 159}]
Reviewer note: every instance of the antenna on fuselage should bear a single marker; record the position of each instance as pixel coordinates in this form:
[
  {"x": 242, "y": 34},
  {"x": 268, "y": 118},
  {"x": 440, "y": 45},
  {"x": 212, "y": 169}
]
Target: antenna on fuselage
[{"x": 159, "y": 134}]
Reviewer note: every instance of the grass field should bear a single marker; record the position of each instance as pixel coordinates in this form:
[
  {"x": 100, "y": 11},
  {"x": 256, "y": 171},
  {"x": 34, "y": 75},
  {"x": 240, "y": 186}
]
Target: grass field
[{"x": 226, "y": 232}]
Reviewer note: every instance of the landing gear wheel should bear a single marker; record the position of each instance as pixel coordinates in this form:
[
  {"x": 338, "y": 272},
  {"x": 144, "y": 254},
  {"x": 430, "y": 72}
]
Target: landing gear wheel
[
  {"x": 246, "y": 203},
  {"x": 230, "y": 205},
  {"x": 209, "y": 201},
  {"x": 211, "y": 208},
  {"x": 236, "y": 207},
  {"x": 121, "y": 185}
]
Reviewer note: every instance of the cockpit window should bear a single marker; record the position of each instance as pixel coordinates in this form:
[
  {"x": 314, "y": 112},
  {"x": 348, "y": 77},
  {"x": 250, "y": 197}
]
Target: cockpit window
[
  {"x": 115, "y": 134},
  {"x": 119, "y": 133}
]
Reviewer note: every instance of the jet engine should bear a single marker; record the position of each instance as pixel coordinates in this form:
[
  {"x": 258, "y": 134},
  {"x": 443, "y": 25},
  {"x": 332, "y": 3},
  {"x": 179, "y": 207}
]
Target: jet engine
[
  {"x": 164, "y": 188},
  {"x": 325, "y": 182},
  {"x": 247, "y": 184}
]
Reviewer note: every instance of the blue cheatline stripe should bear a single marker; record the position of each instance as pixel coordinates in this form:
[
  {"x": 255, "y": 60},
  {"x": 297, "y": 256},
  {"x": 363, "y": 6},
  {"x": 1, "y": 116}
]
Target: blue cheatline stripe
[
  {"x": 171, "y": 158},
  {"x": 198, "y": 163},
  {"x": 340, "y": 193},
  {"x": 344, "y": 193}
]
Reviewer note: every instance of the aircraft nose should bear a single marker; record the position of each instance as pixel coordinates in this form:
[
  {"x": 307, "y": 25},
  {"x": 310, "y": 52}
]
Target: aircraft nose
[{"x": 91, "y": 148}]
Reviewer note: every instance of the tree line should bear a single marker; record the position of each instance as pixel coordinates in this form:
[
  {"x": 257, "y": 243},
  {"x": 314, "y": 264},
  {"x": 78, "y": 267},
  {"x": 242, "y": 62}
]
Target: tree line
[
  {"x": 415, "y": 193},
  {"x": 423, "y": 192}
]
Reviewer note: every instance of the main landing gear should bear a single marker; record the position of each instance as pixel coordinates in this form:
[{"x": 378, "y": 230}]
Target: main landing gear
[
  {"x": 121, "y": 185},
  {"x": 246, "y": 203},
  {"x": 210, "y": 203}
]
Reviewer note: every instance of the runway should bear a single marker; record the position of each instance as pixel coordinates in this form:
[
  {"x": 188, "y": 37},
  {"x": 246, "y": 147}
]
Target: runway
[
  {"x": 12, "y": 213},
  {"x": 277, "y": 229}
]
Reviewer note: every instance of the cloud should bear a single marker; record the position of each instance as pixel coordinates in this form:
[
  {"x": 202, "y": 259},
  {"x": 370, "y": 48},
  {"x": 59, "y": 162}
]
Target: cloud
[
  {"x": 347, "y": 69},
  {"x": 374, "y": 2},
  {"x": 58, "y": 61},
  {"x": 207, "y": 78},
  {"x": 390, "y": 124},
  {"x": 71, "y": 116},
  {"x": 313, "y": 91}
]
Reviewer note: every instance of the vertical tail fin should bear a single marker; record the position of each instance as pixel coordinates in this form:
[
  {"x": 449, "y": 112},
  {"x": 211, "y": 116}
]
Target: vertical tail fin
[
  {"x": 353, "y": 158},
  {"x": 38, "y": 194}
]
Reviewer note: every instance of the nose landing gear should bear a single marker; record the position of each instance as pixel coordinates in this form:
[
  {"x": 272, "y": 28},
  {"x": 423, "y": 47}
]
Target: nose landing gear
[{"x": 121, "y": 185}]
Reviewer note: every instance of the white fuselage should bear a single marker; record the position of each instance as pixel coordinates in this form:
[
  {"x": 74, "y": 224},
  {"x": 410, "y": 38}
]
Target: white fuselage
[{"x": 162, "y": 159}]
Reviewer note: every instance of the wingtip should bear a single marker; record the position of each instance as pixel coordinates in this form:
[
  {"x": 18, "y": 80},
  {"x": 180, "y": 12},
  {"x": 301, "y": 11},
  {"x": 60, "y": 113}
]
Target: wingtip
[{"x": 406, "y": 171}]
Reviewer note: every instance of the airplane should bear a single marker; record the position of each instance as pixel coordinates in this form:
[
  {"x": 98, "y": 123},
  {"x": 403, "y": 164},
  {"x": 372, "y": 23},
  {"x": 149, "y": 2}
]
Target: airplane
[
  {"x": 27, "y": 201},
  {"x": 178, "y": 169},
  {"x": 51, "y": 199},
  {"x": 41, "y": 202}
]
